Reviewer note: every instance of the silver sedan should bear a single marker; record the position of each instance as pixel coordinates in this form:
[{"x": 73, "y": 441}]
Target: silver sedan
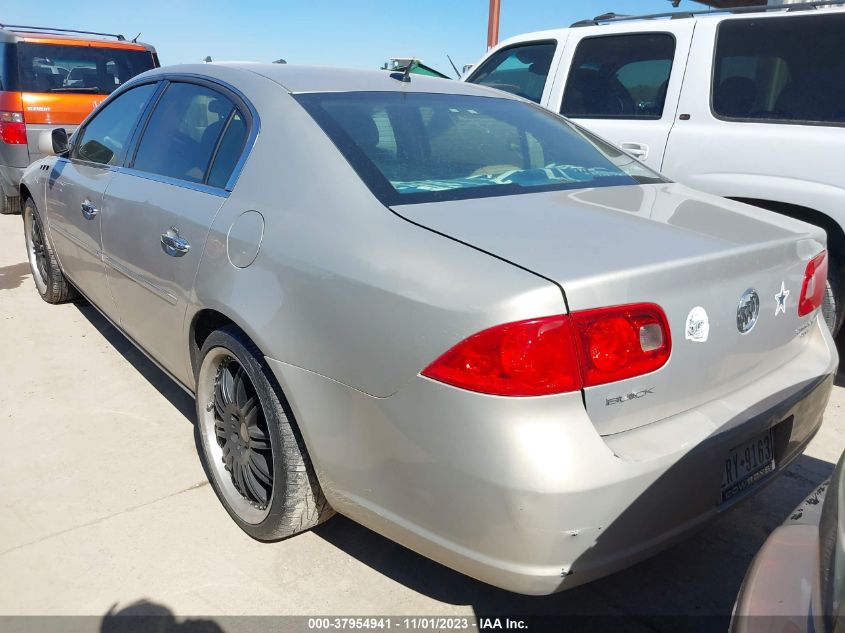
[{"x": 439, "y": 310}]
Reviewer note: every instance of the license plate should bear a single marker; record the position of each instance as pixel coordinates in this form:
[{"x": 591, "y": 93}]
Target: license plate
[{"x": 747, "y": 464}]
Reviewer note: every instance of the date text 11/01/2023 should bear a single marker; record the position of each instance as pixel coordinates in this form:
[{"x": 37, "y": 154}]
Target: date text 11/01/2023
[{"x": 425, "y": 623}]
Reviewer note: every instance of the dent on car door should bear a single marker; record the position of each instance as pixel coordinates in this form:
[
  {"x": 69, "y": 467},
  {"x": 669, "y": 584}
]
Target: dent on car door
[
  {"x": 159, "y": 210},
  {"x": 625, "y": 86},
  {"x": 76, "y": 186}
]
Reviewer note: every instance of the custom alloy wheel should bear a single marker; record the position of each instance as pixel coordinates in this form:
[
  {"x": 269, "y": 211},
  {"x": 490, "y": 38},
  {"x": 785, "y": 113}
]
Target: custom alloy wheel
[
  {"x": 249, "y": 444},
  {"x": 51, "y": 283},
  {"x": 35, "y": 248},
  {"x": 236, "y": 436}
]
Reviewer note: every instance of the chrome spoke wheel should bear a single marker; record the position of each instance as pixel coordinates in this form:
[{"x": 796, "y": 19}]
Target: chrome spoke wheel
[
  {"x": 36, "y": 248},
  {"x": 235, "y": 435}
]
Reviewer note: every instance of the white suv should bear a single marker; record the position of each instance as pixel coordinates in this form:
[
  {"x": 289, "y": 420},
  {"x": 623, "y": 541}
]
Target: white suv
[{"x": 748, "y": 104}]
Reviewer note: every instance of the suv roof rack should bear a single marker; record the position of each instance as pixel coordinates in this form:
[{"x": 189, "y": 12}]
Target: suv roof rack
[
  {"x": 608, "y": 18},
  {"x": 47, "y": 29}
]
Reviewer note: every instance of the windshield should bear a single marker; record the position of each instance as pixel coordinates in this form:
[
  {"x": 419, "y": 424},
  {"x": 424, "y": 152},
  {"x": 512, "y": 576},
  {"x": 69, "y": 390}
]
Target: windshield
[
  {"x": 421, "y": 147},
  {"x": 82, "y": 69}
]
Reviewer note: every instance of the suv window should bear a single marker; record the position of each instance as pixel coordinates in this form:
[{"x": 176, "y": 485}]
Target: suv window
[
  {"x": 781, "y": 69},
  {"x": 182, "y": 132},
  {"x": 520, "y": 70},
  {"x": 86, "y": 69},
  {"x": 619, "y": 77},
  {"x": 104, "y": 138}
]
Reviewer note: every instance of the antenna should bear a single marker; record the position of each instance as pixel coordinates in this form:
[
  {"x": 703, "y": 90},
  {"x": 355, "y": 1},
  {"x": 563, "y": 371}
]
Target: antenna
[
  {"x": 405, "y": 77},
  {"x": 455, "y": 68},
  {"x": 135, "y": 39}
]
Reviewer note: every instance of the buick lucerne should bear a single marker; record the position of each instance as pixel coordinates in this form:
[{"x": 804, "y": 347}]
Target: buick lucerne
[{"x": 438, "y": 309}]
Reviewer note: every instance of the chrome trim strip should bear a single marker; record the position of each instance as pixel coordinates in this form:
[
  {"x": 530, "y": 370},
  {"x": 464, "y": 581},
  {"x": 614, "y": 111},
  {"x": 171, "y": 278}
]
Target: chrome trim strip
[
  {"x": 167, "y": 180},
  {"x": 157, "y": 290},
  {"x": 94, "y": 253}
]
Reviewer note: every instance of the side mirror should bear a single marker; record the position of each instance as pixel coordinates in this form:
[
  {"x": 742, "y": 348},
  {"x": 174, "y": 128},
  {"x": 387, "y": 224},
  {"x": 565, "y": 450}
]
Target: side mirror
[{"x": 53, "y": 142}]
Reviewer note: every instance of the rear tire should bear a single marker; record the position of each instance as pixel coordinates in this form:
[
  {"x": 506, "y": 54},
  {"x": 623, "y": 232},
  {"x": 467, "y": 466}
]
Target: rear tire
[
  {"x": 50, "y": 282},
  {"x": 10, "y": 205},
  {"x": 250, "y": 448}
]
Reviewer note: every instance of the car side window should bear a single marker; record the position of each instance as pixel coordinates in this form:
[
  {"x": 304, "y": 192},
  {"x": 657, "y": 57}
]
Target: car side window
[
  {"x": 789, "y": 69},
  {"x": 521, "y": 70},
  {"x": 619, "y": 77},
  {"x": 182, "y": 132},
  {"x": 229, "y": 151},
  {"x": 105, "y": 137}
]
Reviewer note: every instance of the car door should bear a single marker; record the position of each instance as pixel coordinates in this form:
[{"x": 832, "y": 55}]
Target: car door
[
  {"x": 160, "y": 206},
  {"x": 624, "y": 85},
  {"x": 76, "y": 187}
]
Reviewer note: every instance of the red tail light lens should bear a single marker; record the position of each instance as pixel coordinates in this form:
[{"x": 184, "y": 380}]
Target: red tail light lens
[
  {"x": 621, "y": 342},
  {"x": 813, "y": 287},
  {"x": 12, "y": 128},
  {"x": 526, "y": 358},
  {"x": 558, "y": 354}
]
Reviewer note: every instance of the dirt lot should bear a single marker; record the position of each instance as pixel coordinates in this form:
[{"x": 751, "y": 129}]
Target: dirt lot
[{"x": 104, "y": 504}]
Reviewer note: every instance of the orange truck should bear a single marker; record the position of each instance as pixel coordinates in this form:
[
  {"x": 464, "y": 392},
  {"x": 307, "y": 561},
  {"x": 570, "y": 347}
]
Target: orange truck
[{"x": 54, "y": 78}]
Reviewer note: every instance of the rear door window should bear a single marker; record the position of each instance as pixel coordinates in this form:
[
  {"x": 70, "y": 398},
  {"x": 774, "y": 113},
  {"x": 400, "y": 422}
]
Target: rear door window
[
  {"x": 521, "y": 70},
  {"x": 619, "y": 77},
  {"x": 784, "y": 69},
  {"x": 229, "y": 152},
  {"x": 182, "y": 133},
  {"x": 78, "y": 69},
  {"x": 104, "y": 139}
]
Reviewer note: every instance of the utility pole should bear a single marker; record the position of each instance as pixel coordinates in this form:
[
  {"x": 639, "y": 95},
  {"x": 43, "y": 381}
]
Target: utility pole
[{"x": 493, "y": 24}]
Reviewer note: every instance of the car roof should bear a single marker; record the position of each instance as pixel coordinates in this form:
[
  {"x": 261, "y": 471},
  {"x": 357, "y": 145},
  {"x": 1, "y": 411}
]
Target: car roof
[
  {"x": 300, "y": 79},
  {"x": 624, "y": 24},
  {"x": 47, "y": 36}
]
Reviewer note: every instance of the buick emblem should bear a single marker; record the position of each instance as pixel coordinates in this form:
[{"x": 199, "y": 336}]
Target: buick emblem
[{"x": 747, "y": 311}]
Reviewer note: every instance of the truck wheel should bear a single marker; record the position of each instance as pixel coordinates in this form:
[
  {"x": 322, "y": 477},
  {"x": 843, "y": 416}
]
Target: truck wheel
[
  {"x": 10, "y": 205},
  {"x": 50, "y": 282},
  {"x": 251, "y": 450}
]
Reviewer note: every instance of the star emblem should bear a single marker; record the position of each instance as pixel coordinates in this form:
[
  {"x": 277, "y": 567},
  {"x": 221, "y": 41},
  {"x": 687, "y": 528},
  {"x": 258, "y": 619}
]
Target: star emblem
[{"x": 781, "y": 299}]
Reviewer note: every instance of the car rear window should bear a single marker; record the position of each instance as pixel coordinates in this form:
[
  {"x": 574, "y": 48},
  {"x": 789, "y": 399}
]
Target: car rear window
[
  {"x": 783, "y": 69},
  {"x": 420, "y": 147},
  {"x": 77, "y": 69}
]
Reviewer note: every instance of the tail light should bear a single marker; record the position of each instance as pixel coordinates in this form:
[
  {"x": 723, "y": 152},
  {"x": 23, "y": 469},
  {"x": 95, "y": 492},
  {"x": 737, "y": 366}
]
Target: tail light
[
  {"x": 813, "y": 287},
  {"x": 558, "y": 354},
  {"x": 12, "y": 128}
]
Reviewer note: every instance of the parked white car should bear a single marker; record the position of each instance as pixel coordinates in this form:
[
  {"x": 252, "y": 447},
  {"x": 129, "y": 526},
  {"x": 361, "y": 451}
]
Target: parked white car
[{"x": 749, "y": 105}]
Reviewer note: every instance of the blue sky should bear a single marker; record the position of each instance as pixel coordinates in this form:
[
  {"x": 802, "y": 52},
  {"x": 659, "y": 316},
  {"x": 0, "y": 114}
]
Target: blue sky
[{"x": 358, "y": 33}]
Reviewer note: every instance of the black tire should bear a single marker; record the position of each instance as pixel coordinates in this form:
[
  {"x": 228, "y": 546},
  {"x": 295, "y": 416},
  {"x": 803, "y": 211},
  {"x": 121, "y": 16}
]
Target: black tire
[
  {"x": 833, "y": 306},
  {"x": 10, "y": 205},
  {"x": 49, "y": 280},
  {"x": 296, "y": 501}
]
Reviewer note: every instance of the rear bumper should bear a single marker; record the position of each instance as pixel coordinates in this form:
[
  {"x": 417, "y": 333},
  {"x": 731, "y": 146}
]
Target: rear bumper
[
  {"x": 10, "y": 180},
  {"x": 523, "y": 493}
]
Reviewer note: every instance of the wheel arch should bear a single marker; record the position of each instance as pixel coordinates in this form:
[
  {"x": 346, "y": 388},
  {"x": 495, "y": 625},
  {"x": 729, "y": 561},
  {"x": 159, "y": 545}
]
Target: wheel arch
[{"x": 25, "y": 193}]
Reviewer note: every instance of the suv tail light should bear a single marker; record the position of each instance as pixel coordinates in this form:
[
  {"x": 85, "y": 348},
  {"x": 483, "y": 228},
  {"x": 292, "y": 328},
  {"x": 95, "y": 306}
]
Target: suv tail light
[
  {"x": 814, "y": 285},
  {"x": 558, "y": 354},
  {"x": 12, "y": 128}
]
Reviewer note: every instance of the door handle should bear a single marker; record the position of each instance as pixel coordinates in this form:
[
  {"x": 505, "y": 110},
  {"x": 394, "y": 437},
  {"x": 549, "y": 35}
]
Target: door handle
[
  {"x": 637, "y": 150},
  {"x": 174, "y": 244},
  {"x": 89, "y": 211}
]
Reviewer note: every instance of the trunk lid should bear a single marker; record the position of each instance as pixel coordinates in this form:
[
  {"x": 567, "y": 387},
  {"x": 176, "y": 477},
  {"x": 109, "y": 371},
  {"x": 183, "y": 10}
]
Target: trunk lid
[{"x": 684, "y": 250}]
